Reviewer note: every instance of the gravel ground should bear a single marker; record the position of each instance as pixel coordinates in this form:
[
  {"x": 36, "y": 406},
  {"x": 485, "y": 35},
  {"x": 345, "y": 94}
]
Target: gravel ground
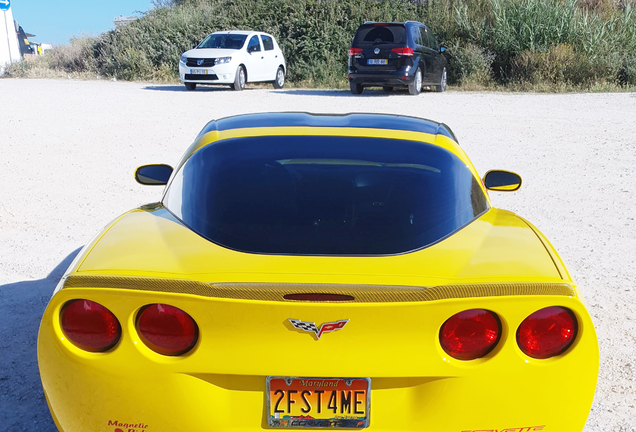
[{"x": 69, "y": 150}]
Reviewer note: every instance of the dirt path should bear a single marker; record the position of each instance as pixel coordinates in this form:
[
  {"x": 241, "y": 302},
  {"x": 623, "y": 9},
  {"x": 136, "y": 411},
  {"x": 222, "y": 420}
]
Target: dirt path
[{"x": 68, "y": 150}]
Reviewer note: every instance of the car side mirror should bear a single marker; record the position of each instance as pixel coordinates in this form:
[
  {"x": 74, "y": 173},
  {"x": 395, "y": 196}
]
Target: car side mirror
[
  {"x": 502, "y": 181},
  {"x": 442, "y": 49},
  {"x": 153, "y": 175}
]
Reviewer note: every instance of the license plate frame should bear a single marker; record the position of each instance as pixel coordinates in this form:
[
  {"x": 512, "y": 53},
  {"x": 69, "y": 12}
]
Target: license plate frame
[
  {"x": 278, "y": 404},
  {"x": 377, "y": 62},
  {"x": 198, "y": 71}
]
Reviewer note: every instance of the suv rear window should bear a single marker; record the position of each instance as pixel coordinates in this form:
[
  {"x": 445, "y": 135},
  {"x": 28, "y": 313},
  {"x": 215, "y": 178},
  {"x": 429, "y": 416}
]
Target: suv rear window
[
  {"x": 317, "y": 195},
  {"x": 370, "y": 34}
]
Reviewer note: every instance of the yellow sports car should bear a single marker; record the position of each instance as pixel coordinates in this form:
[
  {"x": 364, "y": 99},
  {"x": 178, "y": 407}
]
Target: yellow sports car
[{"x": 319, "y": 271}]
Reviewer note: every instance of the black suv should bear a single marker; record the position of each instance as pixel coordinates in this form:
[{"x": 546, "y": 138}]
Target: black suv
[{"x": 396, "y": 55}]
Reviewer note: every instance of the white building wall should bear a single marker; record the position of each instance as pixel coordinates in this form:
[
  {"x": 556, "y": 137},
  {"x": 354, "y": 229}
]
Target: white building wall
[{"x": 9, "y": 47}]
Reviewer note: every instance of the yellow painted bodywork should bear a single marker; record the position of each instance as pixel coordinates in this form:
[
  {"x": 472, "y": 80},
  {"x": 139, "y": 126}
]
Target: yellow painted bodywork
[{"x": 220, "y": 384}]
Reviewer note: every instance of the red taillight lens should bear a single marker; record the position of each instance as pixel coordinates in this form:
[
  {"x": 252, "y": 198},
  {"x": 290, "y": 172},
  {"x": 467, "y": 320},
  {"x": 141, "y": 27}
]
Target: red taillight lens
[
  {"x": 547, "y": 332},
  {"x": 408, "y": 52},
  {"x": 354, "y": 51},
  {"x": 166, "y": 329},
  {"x": 470, "y": 334},
  {"x": 89, "y": 325}
]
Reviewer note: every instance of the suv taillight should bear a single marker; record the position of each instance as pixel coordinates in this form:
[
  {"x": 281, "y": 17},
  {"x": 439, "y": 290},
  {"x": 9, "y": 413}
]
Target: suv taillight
[
  {"x": 406, "y": 51},
  {"x": 354, "y": 51},
  {"x": 89, "y": 325}
]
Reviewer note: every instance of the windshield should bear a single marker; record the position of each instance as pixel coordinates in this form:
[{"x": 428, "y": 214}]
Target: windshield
[
  {"x": 374, "y": 34},
  {"x": 225, "y": 41},
  {"x": 317, "y": 195}
]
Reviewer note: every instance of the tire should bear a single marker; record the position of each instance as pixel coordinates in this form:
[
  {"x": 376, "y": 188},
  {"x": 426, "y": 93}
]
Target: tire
[
  {"x": 190, "y": 86},
  {"x": 387, "y": 89},
  {"x": 239, "y": 79},
  {"x": 416, "y": 86},
  {"x": 355, "y": 88},
  {"x": 279, "y": 82},
  {"x": 442, "y": 83}
]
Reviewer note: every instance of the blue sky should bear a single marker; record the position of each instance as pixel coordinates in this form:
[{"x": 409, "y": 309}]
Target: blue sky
[{"x": 55, "y": 22}]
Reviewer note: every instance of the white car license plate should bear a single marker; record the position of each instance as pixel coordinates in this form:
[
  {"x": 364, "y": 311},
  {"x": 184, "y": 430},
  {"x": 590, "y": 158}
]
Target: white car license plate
[
  {"x": 198, "y": 71},
  {"x": 377, "y": 61}
]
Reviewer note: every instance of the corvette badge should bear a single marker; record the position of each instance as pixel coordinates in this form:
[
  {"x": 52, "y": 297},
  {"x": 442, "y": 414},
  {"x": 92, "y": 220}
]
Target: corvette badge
[{"x": 318, "y": 331}]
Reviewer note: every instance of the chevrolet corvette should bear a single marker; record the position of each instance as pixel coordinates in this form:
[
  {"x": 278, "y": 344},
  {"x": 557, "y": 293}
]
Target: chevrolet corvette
[{"x": 306, "y": 271}]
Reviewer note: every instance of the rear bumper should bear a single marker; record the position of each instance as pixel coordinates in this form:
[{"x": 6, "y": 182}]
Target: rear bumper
[
  {"x": 397, "y": 78},
  {"x": 221, "y": 383}
]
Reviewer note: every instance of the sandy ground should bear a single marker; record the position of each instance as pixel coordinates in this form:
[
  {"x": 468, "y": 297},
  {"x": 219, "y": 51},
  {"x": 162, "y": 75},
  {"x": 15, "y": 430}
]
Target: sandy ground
[{"x": 68, "y": 150}]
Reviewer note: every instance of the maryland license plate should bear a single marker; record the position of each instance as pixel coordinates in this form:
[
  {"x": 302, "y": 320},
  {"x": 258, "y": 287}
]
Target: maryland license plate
[{"x": 294, "y": 402}]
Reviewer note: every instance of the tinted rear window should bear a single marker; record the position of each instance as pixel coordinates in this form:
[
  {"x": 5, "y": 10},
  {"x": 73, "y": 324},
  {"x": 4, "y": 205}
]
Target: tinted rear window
[
  {"x": 380, "y": 34},
  {"x": 224, "y": 41},
  {"x": 313, "y": 195}
]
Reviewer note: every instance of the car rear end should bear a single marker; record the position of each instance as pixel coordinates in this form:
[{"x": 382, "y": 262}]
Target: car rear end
[
  {"x": 382, "y": 54},
  {"x": 303, "y": 277},
  {"x": 154, "y": 354}
]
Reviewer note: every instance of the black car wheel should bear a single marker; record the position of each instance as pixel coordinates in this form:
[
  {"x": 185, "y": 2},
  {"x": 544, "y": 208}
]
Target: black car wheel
[
  {"x": 279, "y": 82},
  {"x": 190, "y": 86},
  {"x": 442, "y": 83},
  {"x": 240, "y": 79},
  {"x": 355, "y": 88},
  {"x": 416, "y": 86}
]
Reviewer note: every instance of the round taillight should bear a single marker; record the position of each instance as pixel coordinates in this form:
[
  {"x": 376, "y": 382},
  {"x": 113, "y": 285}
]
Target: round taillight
[
  {"x": 166, "y": 329},
  {"x": 547, "y": 332},
  {"x": 470, "y": 334},
  {"x": 89, "y": 325}
]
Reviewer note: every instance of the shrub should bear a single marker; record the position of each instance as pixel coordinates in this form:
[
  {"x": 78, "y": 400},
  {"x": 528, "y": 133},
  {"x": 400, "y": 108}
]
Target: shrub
[
  {"x": 74, "y": 57},
  {"x": 627, "y": 71},
  {"x": 470, "y": 64},
  {"x": 554, "y": 42}
]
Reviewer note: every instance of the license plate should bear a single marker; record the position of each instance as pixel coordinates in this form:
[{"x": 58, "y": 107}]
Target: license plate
[
  {"x": 377, "y": 61},
  {"x": 198, "y": 71},
  {"x": 298, "y": 403}
]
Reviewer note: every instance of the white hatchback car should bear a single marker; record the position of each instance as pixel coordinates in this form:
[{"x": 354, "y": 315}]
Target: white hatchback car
[{"x": 234, "y": 58}]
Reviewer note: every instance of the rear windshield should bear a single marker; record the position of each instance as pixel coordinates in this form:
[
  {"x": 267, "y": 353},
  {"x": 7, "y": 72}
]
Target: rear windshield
[
  {"x": 225, "y": 41},
  {"x": 373, "y": 34},
  {"x": 315, "y": 195}
]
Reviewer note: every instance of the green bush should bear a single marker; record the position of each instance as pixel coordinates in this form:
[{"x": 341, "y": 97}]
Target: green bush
[
  {"x": 578, "y": 42},
  {"x": 470, "y": 64},
  {"x": 627, "y": 71}
]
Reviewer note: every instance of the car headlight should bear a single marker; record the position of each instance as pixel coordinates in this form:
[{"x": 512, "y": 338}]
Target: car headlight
[
  {"x": 184, "y": 59},
  {"x": 223, "y": 60}
]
